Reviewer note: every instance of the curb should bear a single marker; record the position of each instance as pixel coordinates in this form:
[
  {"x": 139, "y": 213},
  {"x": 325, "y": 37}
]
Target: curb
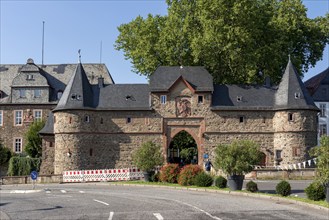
[
  {"x": 269, "y": 197},
  {"x": 21, "y": 191}
]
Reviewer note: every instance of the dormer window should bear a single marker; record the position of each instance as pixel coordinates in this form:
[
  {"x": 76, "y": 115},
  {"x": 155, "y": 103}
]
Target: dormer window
[
  {"x": 74, "y": 96},
  {"x": 22, "y": 93},
  {"x": 59, "y": 94},
  {"x": 297, "y": 95},
  {"x": 29, "y": 77},
  {"x": 239, "y": 98},
  {"x": 37, "y": 93},
  {"x": 163, "y": 99}
]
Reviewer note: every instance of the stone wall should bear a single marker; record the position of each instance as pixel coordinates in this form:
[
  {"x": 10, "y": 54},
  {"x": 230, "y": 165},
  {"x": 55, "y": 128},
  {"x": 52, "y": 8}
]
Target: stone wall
[{"x": 8, "y": 132}]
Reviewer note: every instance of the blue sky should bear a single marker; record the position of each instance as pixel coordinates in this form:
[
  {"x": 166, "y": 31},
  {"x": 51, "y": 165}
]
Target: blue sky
[{"x": 74, "y": 25}]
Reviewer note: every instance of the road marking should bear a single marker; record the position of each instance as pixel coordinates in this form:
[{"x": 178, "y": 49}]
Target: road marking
[
  {"x": 158, "y": 216},
  {"x": 101, "y": 202},
  {"x": 63, "y": 191},
  {"x": 111, "y": 215},
  {"x": 81, "y": 191},
  {"x": 201, "y": 210}
]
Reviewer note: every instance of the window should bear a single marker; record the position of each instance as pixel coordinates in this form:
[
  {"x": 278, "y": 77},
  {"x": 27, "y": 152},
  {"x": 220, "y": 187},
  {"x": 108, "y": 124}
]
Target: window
[
  {"x": 90, "y": 151},
  {"x": 128, "y": 120},
  {"x": 241, "y": 119},
  {"x": 297, "y": 95},
  {"x": 295, "y": 152},
  {"x": 323, "y": 110},
  {"x": 70, "y": 120},
  {"x": 37, "y": 114},
  {"x": 18, "y": 117},
  {"x": 323, "y": 129},
  {"x": 22, "y": 93},
  {"x": 87, "y": 118},
  {"x": 102, "y": 121},
  {"x": 163, "y": 99},
  {"x": 59, "y": 94},
  {"x": 278, "y": 154},
  {"x": 290, "y": 117},
  {"x": 1, "y": 94},
  {"x": 18, "y": 145},
  {"x": 200, "y": 99},
  {"x": 1, "y": 118},
  {"x": 264, "y": 120},
  {"x": 239, "y": 98},
  {"x": 37, "y": 93},
  {"x": 29, "y": 77}
]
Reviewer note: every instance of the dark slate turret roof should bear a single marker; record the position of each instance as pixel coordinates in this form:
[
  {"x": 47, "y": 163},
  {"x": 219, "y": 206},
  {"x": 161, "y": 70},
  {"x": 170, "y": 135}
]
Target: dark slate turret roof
[
  {"x": 78, "y": 93},
  {"x": 165, "y": 76},
  {"x": 49, "y": 126},
  {"x": 125, "y": 97},
  {"x": 292, "y": 93}
]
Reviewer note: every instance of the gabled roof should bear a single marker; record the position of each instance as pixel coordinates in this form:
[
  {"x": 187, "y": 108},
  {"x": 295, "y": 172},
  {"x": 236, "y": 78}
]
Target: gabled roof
[
  {"x": 313, "y": 83},
  {"x": 78, "y": 93},
  {"x": 292, "y": 93},
  {"x": 124, "y": 97},
  {"x": 165, "y": 76}
]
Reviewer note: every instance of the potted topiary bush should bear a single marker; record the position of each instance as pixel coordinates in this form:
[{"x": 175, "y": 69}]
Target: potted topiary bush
[
  {"x": 237, "y": 159},
  {"x": 147, "y": 157},
  {"x": 322, "y": 160}
]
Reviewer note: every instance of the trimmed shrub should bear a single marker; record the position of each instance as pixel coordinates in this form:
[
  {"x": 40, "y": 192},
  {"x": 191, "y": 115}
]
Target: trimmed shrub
[
  {"x": 221, "y": 182},
  {"x": 169, "y": 173},
  {"x": 283, "y": 188},
  {"x": 188, "y": 173},
  {"x": 251, "y": 186},
  {"x": 315, "y": 191},
  {"x": 21, "y": 166},
  {"x": 155, "y": 177},
  {"x": 203, "y": 179}
]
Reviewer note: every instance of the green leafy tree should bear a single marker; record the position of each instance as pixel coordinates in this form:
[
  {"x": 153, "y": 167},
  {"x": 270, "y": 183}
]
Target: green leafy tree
[
  {"x": 186, "y": 145},
  {"x": 34, "y": 142},
  {"x": 322, "y": 161},
  {"x": 148, "y": 156},
  {"x": 238, "y": 158},
  {"x": 237, "y": 41},
  {"x": 5, "y": 154}
]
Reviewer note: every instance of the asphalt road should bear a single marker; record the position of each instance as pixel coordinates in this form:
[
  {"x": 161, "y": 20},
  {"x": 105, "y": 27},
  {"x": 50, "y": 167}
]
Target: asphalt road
[{"x": 110, "y": 202}]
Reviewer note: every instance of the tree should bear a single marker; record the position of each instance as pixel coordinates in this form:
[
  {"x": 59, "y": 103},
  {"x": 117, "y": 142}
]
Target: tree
[
  {"x": 34, "y": 142},
  {"x": 322, "y": 160},
  {"x": 237, "y": 41},
  {"x": 5, "y": 154},
  {"x": 148, "y": 156}
]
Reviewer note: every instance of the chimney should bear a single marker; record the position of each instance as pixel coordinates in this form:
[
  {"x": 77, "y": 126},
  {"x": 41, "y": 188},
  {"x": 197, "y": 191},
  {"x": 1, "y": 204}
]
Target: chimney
[{"x": 100, "y": 82}]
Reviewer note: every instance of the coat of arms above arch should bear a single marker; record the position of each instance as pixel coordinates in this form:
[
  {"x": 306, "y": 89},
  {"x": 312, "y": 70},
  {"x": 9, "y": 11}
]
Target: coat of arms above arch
[{"x": 183, "y": 106}]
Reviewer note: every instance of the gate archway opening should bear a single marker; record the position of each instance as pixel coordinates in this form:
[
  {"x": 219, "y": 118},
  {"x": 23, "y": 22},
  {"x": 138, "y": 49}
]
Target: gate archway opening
[{"x": 183, "y": 149}]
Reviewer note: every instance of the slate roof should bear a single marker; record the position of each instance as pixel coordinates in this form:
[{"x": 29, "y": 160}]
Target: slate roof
[
  {"x": 289, "y": 88},
  {"x": 313, "y": 83},
  {"x": 57, "y": 75},
  {"x": 242, "y": 97},
  {"x": 125, "y": 97},
  {"x": 165, "y": 76},
  {"x": 49, "y": 125}
]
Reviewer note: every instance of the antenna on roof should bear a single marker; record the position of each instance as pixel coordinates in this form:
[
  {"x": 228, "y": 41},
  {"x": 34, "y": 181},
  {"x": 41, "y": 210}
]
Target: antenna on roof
[
  {"x": 43, "y": 39},
  {"x": 79, "y": 55},
  {"x": 100, "y": 52}
]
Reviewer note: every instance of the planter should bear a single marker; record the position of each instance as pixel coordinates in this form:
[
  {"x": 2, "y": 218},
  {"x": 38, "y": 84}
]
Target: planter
[{"x": 235, "y": 182}]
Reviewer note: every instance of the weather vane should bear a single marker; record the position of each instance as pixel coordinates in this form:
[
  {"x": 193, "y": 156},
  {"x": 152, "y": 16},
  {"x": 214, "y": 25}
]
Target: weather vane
[{"x": 79, "y": 52}]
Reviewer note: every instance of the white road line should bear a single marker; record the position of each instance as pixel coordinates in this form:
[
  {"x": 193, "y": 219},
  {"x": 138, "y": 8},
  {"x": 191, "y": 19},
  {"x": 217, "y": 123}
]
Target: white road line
[
  {"x": 201, "y": 210},
  {"x": 63, "y": 191},
  {"x": 158, "y": 216},
  {"x": 81, "y": 191},
  {"x": 111, "y": 215},
  {"x": 101, "y": 202}
]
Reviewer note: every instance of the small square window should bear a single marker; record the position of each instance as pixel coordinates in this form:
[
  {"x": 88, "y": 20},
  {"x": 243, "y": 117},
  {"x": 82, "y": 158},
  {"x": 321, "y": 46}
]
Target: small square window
[
  {"x": 241, "y": 119},
  {"x": 239, "y": 98},
  {"x": 278, "y": 154},
  {"x": 200, "y": 99},
  {"x": 297, "y": 95},
  {"x": 128, "y": 120},
  {"x": 87, "y": 118},
  {"x": 290, "y": 117},
  {"x": 163, "y": 99},
  {"x": 102, "y": 121}
]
